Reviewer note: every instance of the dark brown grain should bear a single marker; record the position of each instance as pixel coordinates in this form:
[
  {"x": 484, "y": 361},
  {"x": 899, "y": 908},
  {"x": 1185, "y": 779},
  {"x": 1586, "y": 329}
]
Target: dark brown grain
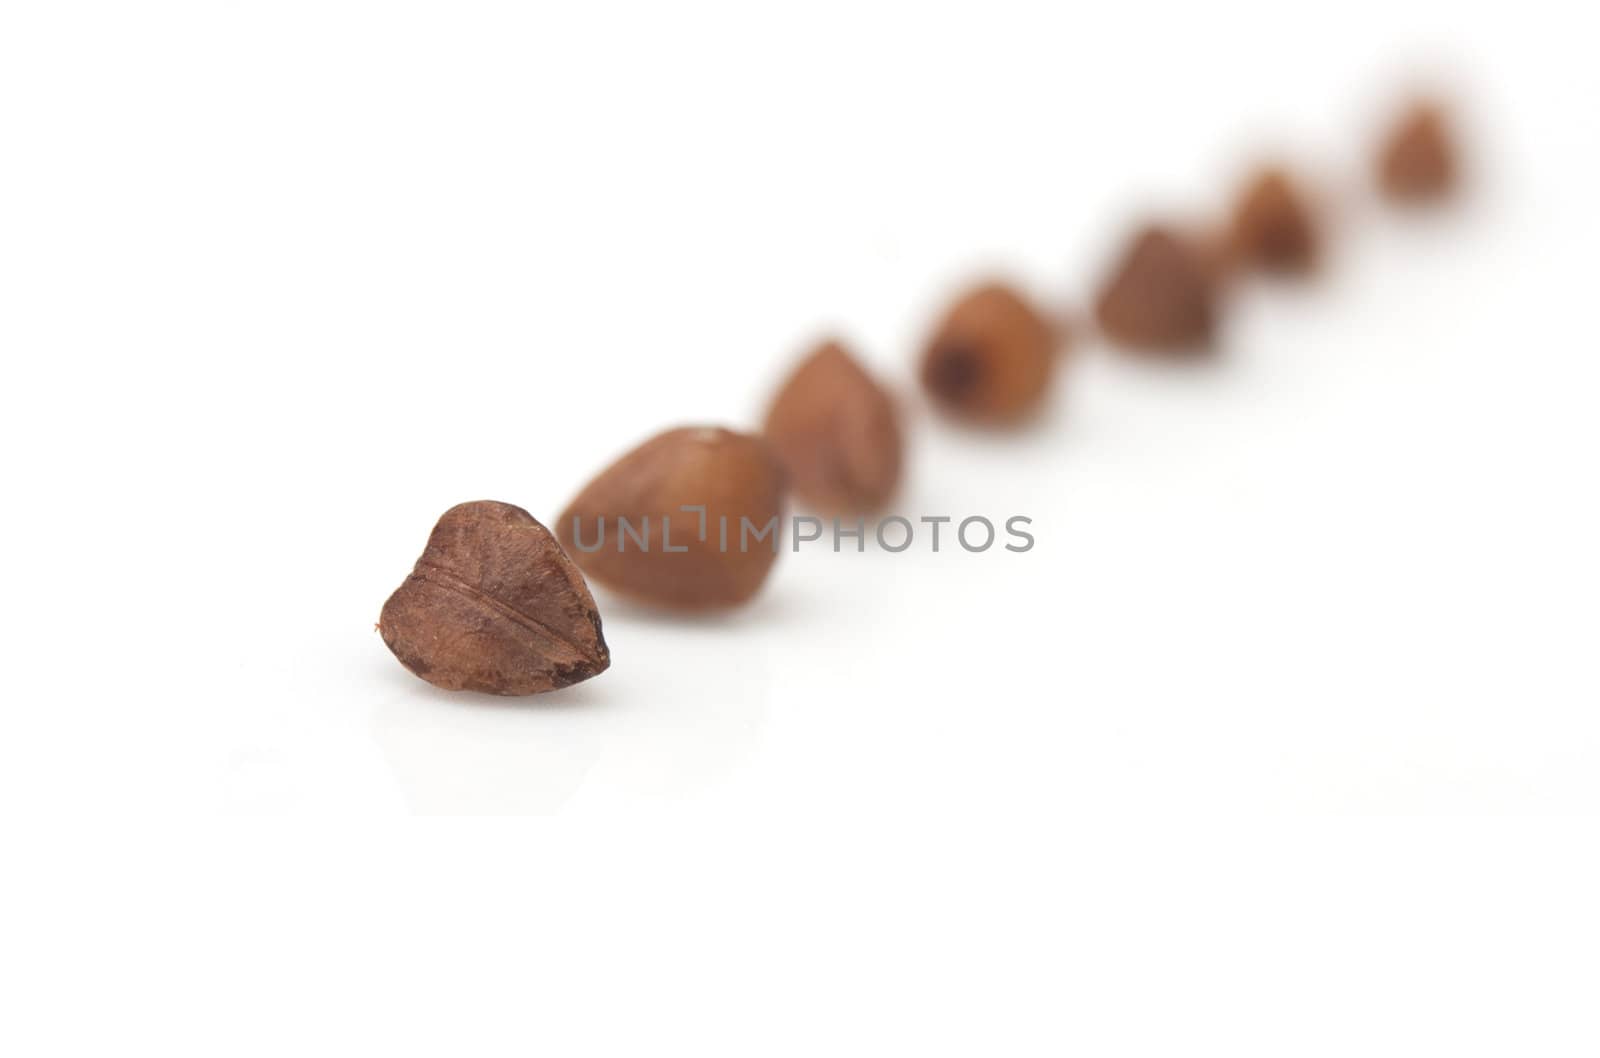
[
  {"x": 495, "y": 605},
  {"x": 735, "y": 477},
  {"x": 1161, "y": 295},
  {"x": 991, "y": 358},
  {"x": 1273, "y": 229},
  {"x": 837, "y": 434},
  {"x": 1417, "y": 162}
]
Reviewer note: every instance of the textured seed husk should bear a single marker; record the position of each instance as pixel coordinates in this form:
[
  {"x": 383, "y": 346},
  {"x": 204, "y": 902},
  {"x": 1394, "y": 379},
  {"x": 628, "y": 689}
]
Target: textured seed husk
[
  {"x": 495, "y": 605},
  {"x": 1161, "y": 297},
  {"x": 1273, "y": 227},
  {"x": 1417, "y": 162},
  {"x": 991, "y": 357},
  {"x": 836, "y": 432},
  {"x": 734, "y": 476}
]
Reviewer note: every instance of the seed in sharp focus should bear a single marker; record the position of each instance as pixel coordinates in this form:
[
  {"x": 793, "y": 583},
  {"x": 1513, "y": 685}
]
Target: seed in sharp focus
[
  {"x": 1162, "y": 295},
  {"x": 629, "y": 530},
  {"x": 991, "y": 357},
  {"x": 495, "y": 605},
  {"x": 836, "y": 432},
  {"x": 1417, "y": 162},
  {"x": 1273, "y": 230}
]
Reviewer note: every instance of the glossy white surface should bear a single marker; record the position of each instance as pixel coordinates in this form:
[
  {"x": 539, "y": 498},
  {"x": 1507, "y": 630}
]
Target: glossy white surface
[{"x": 281, "y": 283}]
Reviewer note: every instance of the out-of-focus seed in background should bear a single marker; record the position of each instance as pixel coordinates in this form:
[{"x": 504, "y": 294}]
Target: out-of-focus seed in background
[
  {"x": 991, "y": 358},
  {"x": 1161, "y": 295},
  {"x": 1273, "y": 228},
  {"x": 837, "y": 434},
  {"x": 629, "y": 529},
  {"x": 1418, "y": 162}
]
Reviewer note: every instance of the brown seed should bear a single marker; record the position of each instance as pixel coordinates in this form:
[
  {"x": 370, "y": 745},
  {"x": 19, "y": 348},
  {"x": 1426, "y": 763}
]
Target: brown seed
[
  {"x": 629, "y": 530},
  {"x": 494, "y": 605},
  {"x": 991, "y": 357},
  {"x": 1417, "y": 162},
  {"x": 836, "y": 432},
  {"x": 1273, "y": 229},
  {"x": 1162, "y": 295}
]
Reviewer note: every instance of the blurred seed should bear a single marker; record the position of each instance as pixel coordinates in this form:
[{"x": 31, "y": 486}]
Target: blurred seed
[
  {"x": 1417, "y": 162},
  {"x": 991, "y": 357},
  {"x": 836, "y": 432},
  {"x": 494, "y": 605},
  {"x": 629, "y": 530},
  {"x": 1161, "y": 296},
  {"x": 1273, "y": 230}
]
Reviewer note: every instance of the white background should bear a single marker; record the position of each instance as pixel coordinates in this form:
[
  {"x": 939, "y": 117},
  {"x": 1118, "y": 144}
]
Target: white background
[{"x": 280, "y": 283}]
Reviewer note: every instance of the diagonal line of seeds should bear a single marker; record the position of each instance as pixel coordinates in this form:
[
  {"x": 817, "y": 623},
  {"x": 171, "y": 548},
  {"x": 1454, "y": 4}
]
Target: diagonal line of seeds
[{"x": 832, "y": 438}]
